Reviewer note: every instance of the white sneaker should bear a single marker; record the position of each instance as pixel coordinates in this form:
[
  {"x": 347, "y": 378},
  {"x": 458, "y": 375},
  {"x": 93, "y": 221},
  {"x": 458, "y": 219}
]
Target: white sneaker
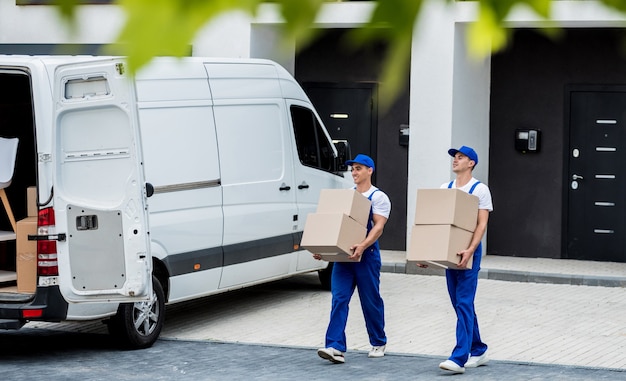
[
  {"x": 451, "y": 366},
  {"x": 377, "y": 352},
  {"x": 332, "y": 355},
  {"x": 476, "y": 361}
]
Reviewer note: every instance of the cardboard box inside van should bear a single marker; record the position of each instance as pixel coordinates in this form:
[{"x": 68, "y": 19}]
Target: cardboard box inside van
[{"x": 26, "y": 255}]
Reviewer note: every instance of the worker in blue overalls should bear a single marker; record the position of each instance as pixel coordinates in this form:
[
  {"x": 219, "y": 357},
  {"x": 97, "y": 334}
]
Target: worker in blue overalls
[
  {"x": 470, "y": 351},
  {"x": 363, "y": 274}
]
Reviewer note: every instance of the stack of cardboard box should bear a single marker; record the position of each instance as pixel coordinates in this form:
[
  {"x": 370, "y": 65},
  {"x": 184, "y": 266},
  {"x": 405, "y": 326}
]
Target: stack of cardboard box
[
  {"x": 340, "y": 221},
  {"x": 26, "y": 260},
  {"x": 445, "y": 220}
]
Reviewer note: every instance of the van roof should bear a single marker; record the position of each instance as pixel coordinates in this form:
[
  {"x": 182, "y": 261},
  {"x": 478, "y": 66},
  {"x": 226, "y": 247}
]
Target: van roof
[
  {"x": 68, "y": 59},
  {"x": 161, "y": 66}
]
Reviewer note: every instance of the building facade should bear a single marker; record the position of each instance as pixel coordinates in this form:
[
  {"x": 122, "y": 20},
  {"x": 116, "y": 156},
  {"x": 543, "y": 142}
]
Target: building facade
[{"x": 546, "y": 115}]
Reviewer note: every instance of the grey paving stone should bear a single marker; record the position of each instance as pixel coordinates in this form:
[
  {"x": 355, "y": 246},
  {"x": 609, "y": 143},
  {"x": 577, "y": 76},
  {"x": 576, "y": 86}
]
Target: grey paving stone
[{"x": 54, "y": 355}]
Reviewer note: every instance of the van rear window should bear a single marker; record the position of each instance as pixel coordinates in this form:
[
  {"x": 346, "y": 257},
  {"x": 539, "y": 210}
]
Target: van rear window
[{"x": 81, "y": 88}]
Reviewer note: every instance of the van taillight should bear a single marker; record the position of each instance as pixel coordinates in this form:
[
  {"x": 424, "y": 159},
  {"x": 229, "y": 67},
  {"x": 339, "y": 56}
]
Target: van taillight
[{"x": 47, "y": 264}]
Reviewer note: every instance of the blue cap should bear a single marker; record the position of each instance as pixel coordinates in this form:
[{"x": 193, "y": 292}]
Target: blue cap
[
  {"x": 362, "y": 159},
  {"x": 467, "y": 151}
]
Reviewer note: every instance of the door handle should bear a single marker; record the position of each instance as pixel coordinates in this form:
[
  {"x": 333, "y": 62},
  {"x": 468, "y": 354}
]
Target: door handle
[
  {"x": 149, "y": 190},
  {"x": 47, "y": 237},
  {"x": 303, "y": 186},
  {"x": 576, "y": 177},
  {"x": 284, "y": 187}
]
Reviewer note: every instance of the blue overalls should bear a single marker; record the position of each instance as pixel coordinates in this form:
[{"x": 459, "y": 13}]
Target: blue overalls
[
  {"x": 462, "y": 289},
  {"x": 366, "y": 276}
]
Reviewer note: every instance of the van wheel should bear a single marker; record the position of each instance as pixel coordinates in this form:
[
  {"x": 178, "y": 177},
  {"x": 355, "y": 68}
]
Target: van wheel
[
  {"x": 138, "y": 325},
  {"x": 325, "y": 276}
]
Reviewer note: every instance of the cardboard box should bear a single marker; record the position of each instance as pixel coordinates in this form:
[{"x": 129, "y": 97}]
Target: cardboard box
[
  {"x": 446, "y": 207},
  {"x": 31, "y": 201},
  {"x": 26, "y": 259},
  {"x": 346, "y": 201},
  {"x": 332, "y": 234},
  {"x": 438, "y": 245}
]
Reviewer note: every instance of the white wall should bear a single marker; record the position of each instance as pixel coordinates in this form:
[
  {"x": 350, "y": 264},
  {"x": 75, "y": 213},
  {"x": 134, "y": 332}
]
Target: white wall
[
  {"x": 470, "y": 102},
  {"x": 96, "y": 24},
  {"x": 431, "y": 104},
  {"x": 225, "y": 36}
]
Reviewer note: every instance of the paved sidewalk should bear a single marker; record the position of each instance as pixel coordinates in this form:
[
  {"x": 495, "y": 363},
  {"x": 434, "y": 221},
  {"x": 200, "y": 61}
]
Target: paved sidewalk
[{"x": 521, "y": 322}]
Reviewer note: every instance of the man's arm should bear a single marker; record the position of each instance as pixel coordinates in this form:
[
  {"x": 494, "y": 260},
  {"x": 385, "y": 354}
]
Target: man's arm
[
  {"x": 481, "y": 226},
  {"x": 372, "y": 236}
]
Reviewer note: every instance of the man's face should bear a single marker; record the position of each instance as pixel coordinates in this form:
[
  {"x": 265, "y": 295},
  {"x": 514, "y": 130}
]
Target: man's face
[
  {"x": 461, "y": 163},
  {"x": 360, "y": 173}
]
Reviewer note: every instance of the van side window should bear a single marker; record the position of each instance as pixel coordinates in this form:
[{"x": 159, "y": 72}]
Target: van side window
[{"x": 314, "y": 150}]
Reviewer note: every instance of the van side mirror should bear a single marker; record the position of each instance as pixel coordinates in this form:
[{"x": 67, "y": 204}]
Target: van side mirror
[{"x": 344, "y": 153}]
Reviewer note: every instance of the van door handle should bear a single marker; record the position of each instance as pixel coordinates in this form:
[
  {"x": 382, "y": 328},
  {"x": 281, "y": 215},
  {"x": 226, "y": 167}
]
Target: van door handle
[
  {"x": 47, "y": 237},
  {"x": 284, "y": 187},
  {"x": 303, "y": 186},
  {"x": 149, "y": 190}
]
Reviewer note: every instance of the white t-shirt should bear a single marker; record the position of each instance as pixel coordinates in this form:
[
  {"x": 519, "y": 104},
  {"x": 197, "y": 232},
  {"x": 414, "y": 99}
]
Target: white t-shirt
[
  {"x": 481, "y": 191},
  {"x": 381, "y": 204}
]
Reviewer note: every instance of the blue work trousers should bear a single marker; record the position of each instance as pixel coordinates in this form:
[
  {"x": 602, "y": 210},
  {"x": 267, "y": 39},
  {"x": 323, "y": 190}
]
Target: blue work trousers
[
  {"x": 364, "y": 275},
  {"x": 462, "y": 289}
]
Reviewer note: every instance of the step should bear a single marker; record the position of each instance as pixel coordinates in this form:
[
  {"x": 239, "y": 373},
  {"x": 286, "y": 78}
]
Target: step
[
  {"x": 7, "y": 276},
  {"x": 7, "y": 235},
  {"x": 11, "y": 324}
]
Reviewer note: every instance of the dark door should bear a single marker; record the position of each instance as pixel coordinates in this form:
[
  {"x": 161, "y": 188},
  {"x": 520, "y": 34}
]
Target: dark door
[
  {"x": 596, "y": 177},
  {"x": 348, "y": 112}
]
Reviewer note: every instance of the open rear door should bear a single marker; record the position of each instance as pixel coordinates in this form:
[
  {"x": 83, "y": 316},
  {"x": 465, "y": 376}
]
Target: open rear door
[{"x": 99, "y": 187}]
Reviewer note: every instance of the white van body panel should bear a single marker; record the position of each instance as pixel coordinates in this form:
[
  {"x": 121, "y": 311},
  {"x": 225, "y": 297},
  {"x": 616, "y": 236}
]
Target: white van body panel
[
  {"x": 181, "y": 154},
  {"x": 90, "y": 311},
  {"x": 258, "y": 180},
  {"x": 194, "y": 285}
]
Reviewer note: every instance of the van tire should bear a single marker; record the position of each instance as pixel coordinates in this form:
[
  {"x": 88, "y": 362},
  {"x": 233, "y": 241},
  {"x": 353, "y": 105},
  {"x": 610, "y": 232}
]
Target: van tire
[
  {"x": 151, "y": 314},
  {"x": 325, "y": 276}
]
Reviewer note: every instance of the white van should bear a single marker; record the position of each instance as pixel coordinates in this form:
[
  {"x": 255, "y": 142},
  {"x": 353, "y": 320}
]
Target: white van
[{"x": 194, "y": 178}]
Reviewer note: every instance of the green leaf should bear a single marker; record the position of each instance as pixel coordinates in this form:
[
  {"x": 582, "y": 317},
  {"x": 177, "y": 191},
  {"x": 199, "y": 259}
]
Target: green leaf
[
  {"x": 486, "y": 34},
  {"x": 168, "y": 27}
]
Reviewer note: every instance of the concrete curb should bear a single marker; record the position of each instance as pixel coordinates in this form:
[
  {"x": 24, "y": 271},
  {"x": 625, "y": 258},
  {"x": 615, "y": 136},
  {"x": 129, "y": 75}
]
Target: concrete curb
[
  {"x": 515, "y": 276},
  {"x": 536, "y": 277}
]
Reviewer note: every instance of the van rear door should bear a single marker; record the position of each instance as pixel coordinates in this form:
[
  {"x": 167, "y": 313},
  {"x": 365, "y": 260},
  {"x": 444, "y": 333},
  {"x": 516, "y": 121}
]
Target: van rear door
[{"x": 99, "y": 187}]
